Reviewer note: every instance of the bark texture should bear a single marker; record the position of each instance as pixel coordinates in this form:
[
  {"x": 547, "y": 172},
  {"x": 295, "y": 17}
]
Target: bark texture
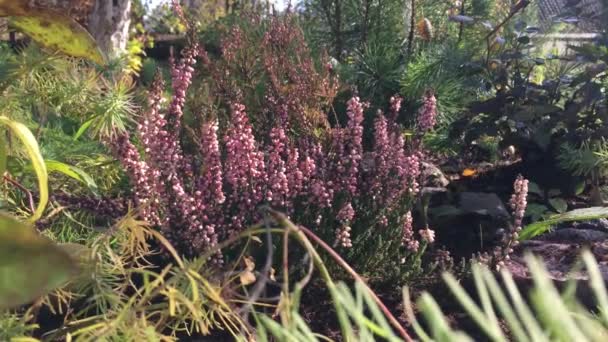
[{"x": 109, "y": 23}]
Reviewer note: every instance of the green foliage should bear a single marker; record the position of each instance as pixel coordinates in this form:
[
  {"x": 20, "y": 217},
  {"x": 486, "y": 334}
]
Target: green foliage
[
  {"x": 345, "y": 27},
  {"x": 13, "y": 326},
  {"x": 590, "y": 159},
  {"x": 537, "y": 228},
  {"x": 107, "y": 304},
  {"x": 364, "y": 320},
  {"x": 548, "y": 317},
  {"x": 375, "y": 70},
  {"x": 446, "y": 70}
]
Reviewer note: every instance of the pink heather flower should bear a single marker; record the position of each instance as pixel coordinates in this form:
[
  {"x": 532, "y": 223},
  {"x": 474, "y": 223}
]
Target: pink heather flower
[
  {"x": 383, "y": 221},
  {"x": 178, "y": 10},
  {"x": 382, "y": 155},
  {"x": 141, "y": 176},
  {"x": 232, "y": 44},
  {"x": 407, "y": 239},
  {"x": 299, "y": 171},
  {"x": 518, "y": 201},
  {"x": 395, "y": 103},
  {"x": 278, "y": 184},
  {"x": 349, "y": 149},
  {"x": 427, "y": 115},
  {"x": 244, "y": 168},
  {"x": 411, "y": 169},
  {"x": 343, "y": 237},
  {"x": 210, "y": 186},
  {"x": 321, "y": 188},
  {"x": 427, "y": 235},
  {"x": 181, "y": 78},
  {"x": 346, "y": 214}
]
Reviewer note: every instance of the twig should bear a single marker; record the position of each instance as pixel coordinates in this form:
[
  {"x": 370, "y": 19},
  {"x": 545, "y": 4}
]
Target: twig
[
  {"x": 461, "y": 28},
  {"x": 260, "y": 285},
  {"x": 24, "y": 189},
  {"x": 514, "y": 10},
  {"x": 410, "y": 38},
  {"x": 309, "y": 234}
]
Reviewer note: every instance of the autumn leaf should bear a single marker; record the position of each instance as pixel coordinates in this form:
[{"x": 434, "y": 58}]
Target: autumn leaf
[
  {"x": 52, "y": 29},
  {"x": 469, "y": 172}
]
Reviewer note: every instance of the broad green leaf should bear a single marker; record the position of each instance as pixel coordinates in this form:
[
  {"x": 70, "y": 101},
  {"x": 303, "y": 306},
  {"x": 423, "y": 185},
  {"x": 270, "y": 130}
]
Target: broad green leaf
[
  {"x": 71, "y": 171},
  {"x": 30, "y": 264},
  {"x": 52, "y": 29},
  {"x": 33, "y": 151},
  {"x": 559, "y": 204},
  {"x": 536, "y": 211},
  {"x": 585, "y": 214}
]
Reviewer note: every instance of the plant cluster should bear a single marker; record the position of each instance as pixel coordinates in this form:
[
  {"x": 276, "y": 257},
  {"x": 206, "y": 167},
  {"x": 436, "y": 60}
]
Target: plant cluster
[
  {"x": 265, "y": 64},
  {"x": 201, "y": 198}
]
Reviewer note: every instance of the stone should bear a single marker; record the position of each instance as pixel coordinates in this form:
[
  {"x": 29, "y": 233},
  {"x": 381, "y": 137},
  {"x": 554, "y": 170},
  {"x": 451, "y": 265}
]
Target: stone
[
  {"x": 482, "y": 203},
  {"x": 574, "y": 235}
]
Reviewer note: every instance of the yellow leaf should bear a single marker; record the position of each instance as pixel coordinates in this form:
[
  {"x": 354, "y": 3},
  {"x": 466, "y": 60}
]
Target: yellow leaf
[
  {"x": 52, "y": 29},
  {"x": 33, "y": 151}
]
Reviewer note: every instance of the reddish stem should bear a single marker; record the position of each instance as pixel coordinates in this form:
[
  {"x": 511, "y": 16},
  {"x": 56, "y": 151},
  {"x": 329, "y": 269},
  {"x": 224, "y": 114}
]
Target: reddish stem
[
  {"x": 22, "y": 188},
  {"x": 357, "y": 277}
]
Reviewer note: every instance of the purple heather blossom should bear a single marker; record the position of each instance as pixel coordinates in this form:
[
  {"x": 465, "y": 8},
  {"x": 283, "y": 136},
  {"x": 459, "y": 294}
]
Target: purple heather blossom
[
  {"x": 395, "y": 103},
  {"x": 210, "y": 186},
  {"x": 348, "y": 148},
  {"x": 181, "y": 78},
  {"x": 141, "y": 176},
  {"x": 382, "y": 156},
  {"x": 518, "y": 203},
  {"x": 244, "y": 168},
  {"x": 346, "y": 214},
  {"x": 343, "y": 237},
  {"x": 427, "y": 235},
  {"x": 238, "y": 174},
  {"x": 278, "y": 184},
  {"x": 427, "y": 114},
  {"x": 407, "y": 238}
]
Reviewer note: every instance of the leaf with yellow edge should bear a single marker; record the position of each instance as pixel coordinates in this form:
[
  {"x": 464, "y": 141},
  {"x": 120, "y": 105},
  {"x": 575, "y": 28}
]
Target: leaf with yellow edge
[
  {"x": 52, "y": 29},
  {"x": 33, "y": 151},
  {"x": 30, "y": 264}
]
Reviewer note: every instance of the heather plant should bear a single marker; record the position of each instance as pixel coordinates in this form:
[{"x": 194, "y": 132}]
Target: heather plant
[
  {"x": 264, "y": 63},
  {"x": 200, "y": 197}
]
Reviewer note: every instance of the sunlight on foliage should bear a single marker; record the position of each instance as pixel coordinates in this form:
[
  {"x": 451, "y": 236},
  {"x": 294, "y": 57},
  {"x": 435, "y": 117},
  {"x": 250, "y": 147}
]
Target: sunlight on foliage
[
  {"x": 548, "y": 317},
  {"x": 31, "y": 146}
]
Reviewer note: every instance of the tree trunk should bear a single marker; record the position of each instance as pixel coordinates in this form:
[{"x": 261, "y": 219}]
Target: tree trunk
[{"x": 109, "y": 23}]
